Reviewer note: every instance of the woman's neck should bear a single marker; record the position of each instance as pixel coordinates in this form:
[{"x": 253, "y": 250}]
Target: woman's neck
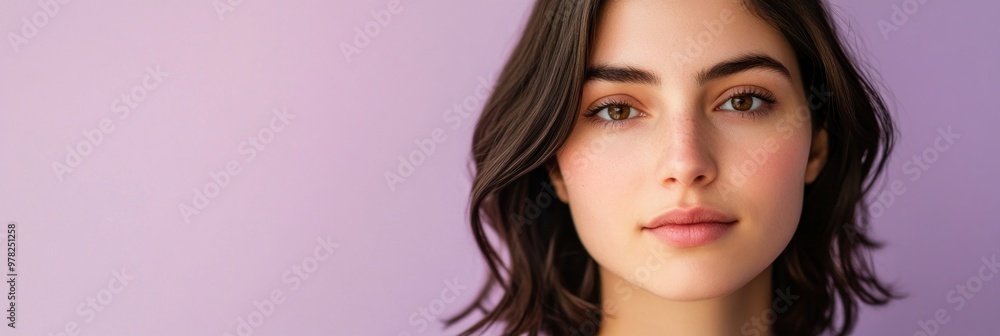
[{"x": 639, "y": 312}]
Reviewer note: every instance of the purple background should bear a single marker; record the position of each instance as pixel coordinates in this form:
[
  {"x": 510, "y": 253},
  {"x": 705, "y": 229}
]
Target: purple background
[{"x": 322, "y": 177}]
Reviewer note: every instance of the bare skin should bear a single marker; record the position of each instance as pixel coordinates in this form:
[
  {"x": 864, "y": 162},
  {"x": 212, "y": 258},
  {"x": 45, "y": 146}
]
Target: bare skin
[{"x": 690, "y": 104}]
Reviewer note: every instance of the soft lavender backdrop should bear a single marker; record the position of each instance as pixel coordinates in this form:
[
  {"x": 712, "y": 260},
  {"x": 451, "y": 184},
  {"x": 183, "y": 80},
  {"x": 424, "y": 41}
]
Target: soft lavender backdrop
[{"x": 388, "y": 253}]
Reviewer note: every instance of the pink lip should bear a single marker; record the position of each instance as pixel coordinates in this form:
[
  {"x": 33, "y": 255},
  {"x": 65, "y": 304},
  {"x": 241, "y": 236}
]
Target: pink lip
[{"x": 690, "y": 227}]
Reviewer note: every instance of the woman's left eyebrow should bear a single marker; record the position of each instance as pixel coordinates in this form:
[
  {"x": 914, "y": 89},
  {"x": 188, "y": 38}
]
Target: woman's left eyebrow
[{"x": 741, "y": 64}]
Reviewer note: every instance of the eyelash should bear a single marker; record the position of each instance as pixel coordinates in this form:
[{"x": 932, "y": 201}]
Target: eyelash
[
  {"x": 611, "y": 124},
  {"x": 767, "y": 98},
  {"x": 768, "y": 101}
]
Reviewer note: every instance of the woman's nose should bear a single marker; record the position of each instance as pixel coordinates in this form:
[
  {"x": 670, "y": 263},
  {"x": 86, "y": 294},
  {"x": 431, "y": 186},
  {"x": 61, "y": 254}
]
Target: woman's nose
[{"x": 686, "y": 158}]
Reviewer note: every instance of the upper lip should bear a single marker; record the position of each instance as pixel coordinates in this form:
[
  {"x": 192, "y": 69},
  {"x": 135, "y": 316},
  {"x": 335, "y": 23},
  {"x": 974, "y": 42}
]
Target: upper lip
[{"x": 695, "y": 215}]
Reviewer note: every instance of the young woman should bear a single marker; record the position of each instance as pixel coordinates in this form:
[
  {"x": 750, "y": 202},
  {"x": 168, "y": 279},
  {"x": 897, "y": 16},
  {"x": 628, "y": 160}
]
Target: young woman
[{"x": 653, "y": 167}]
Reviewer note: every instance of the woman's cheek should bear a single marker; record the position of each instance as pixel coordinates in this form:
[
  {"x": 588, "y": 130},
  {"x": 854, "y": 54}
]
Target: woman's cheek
[
  {"x": 773, "y": 191},
  {"x": 598, "y": 185},
  {"x": 596, "y": 161}
]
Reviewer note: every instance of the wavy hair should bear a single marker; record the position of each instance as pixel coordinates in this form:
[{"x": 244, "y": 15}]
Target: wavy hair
[{"x": 549, "y": 283}]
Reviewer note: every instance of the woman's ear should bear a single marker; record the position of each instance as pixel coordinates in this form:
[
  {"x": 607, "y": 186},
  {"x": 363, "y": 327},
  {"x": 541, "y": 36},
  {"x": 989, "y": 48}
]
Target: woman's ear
[
  {"x": 817, "y": 155},
  {"x": 557, "y": 180}
]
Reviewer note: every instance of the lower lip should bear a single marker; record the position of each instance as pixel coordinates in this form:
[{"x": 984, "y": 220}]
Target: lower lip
[{"x": 690, "y": 235}]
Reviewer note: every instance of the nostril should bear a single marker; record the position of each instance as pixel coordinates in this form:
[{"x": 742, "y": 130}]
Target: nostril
[{"x": 700, "y": 179}]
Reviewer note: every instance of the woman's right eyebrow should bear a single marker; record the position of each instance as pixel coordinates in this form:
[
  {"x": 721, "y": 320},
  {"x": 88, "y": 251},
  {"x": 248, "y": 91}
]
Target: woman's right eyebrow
[{"x": 627, "y": 74}]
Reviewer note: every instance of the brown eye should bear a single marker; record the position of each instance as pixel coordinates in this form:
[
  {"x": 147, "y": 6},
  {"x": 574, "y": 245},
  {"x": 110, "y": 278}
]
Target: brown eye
[
  {"x": 619, "y": 112},
  {"x": 742, "y": 103},
  {"x": 614, "y": 112}
]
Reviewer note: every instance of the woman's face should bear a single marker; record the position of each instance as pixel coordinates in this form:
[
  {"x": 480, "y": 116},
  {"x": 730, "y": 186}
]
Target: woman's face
[{"x": 688, "y": 104}]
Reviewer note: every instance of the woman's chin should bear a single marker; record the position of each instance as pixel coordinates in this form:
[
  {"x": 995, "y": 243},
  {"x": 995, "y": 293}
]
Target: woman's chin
[
  {"x": 697, "y": 281},
  {"x": 694, "y": 289}
]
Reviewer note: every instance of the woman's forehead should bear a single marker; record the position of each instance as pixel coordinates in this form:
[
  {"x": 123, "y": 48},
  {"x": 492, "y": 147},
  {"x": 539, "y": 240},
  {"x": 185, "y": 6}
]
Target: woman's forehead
[{"x": 679, "y": 39}]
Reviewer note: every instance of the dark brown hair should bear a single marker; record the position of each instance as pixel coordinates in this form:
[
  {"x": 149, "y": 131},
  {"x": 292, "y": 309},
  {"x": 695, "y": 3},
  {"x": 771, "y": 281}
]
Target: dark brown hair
[{"x": 548, "y": 282}]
